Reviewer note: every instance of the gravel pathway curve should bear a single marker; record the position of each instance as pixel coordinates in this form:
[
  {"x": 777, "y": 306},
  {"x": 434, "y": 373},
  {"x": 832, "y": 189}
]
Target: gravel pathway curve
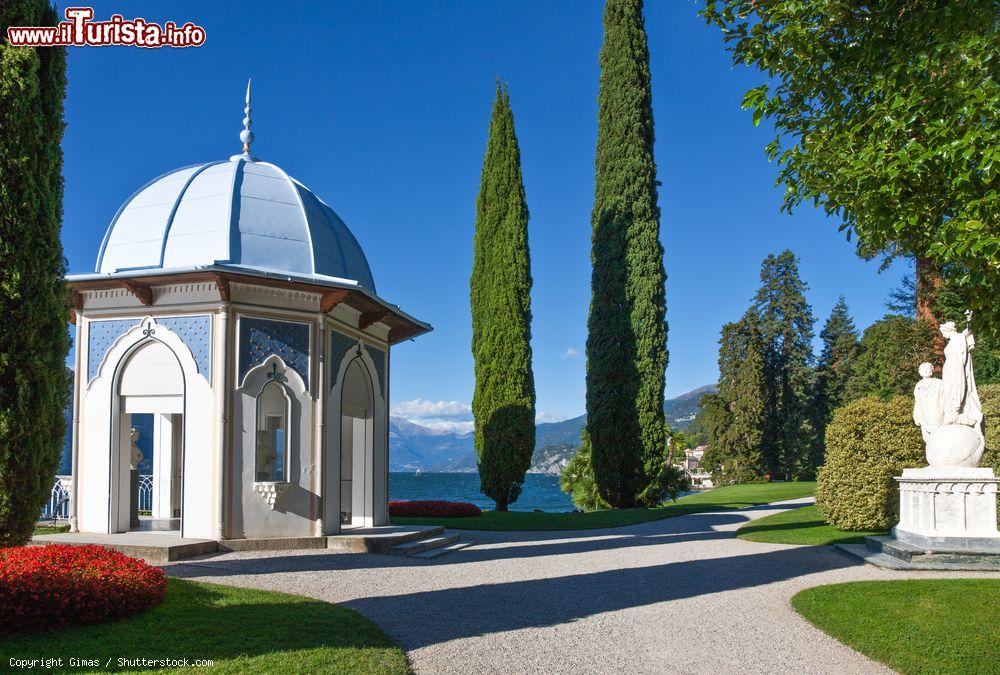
[{"x": 674, "y": 595}]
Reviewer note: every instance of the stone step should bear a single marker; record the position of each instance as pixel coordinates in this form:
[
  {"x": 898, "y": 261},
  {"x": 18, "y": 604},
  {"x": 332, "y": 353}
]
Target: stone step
[
  {"x": 880, "y": 559},
  {"x": 893, "y": 547},
  {"x": 421, "y": 545},
  {"x": 380, "y": 539},
  {"x": 159, "y": 524},
  {"x": 909, "y": 553},
  {"x": 442, "y": 550}
]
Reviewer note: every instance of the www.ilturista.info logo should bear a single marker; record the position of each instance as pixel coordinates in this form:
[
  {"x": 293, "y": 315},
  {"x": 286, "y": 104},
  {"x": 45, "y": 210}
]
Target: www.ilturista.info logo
[{"x": 79, "y": 30}]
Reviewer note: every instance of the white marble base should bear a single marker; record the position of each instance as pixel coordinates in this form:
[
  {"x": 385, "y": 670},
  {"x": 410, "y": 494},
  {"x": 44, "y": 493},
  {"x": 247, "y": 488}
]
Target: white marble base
[{"x": 941, "y": 506}]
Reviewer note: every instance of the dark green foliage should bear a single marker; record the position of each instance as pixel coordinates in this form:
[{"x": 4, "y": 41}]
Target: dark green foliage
[
  {"x": 737, "y": 417},
  {"x": 989, "y": 395},
  {"x": 697, "y": 431},
  {"x": 868, "y": 441},
  {"x": 627, "y": 331},
  {"x": 500, "y": 290},
  {"x": 833, "y": 371},
  {"x": 891, "y": 350},
  {"x": 577, "y": 479},
  {"x": 786, "y": 322},
  {"x": 886, "y": 116},
  {"x": 33, "y": 336}
]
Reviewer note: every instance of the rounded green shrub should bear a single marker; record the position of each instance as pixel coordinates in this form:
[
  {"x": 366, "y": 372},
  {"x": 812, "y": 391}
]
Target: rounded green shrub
[
  {"x": 989, "y": 395},
  {"x": 868, "y": 441}
]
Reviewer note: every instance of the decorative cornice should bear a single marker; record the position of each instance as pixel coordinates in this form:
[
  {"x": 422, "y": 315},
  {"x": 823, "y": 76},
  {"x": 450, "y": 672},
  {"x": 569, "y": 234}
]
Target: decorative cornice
[{"x": 272, "y": 492}]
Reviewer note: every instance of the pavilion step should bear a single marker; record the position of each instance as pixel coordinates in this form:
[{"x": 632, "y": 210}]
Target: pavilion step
[
  {"x": 422, "y": 545},
  {"x": 882, "y": 559},
  {"x": 442, "y": 550},
  {"x": 908, "y": 553},
  {"x": 159, "y": 524}
]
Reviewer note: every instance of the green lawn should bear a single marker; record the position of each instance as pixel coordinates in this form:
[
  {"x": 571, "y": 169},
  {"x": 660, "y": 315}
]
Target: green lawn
[
  {"x": 803, "y": 526},
  {"x": 242, "y": 630},
  {"x": 914, "y": 625},
  {"x": 732, "y": 497},
  {"x": 51, "y": 529}
]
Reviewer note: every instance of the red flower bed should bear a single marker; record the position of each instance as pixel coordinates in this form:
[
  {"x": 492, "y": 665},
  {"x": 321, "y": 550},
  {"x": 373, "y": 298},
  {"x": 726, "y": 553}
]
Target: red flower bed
[
  {"x": 429, "y": 508},
  {"x": 53, "y": 586}
]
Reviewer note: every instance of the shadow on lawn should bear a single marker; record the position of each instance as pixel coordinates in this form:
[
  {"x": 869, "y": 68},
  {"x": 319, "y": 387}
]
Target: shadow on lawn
[{"x": 199, "y": 622}]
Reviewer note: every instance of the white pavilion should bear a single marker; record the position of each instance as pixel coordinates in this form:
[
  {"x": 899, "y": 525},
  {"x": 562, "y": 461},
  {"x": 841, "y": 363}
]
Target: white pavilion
[{"x": 235, "y": 307}]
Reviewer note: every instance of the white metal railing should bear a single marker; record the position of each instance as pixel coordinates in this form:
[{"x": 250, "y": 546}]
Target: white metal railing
[
  {"x": 146, "y": 492},
  {"x": 58, "y": 505}
]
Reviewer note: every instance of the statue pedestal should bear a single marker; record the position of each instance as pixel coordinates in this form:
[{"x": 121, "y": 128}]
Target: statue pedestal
[{"x": 953, "y": 509}]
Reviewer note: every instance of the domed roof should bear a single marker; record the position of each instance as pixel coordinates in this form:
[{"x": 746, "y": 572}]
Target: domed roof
[{"x": 241, "y": 212}]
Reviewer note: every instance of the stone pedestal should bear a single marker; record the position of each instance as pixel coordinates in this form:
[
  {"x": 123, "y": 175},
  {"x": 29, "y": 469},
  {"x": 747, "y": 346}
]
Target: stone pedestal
[
  {"x": 952, "y": 509},
  {"x": 133, "y": 503}
]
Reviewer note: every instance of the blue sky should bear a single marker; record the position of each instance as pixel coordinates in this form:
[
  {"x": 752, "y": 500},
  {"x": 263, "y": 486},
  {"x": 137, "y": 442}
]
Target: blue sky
[{"x": 382, "y": 109}]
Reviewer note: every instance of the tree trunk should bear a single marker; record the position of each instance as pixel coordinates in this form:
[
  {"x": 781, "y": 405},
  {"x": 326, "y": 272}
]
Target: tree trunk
[{"x": 928, "y": 279}]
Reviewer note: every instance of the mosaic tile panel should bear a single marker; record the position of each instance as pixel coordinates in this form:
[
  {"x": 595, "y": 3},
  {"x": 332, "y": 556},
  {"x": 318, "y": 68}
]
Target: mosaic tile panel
[
  {"x": 101, "y": 335},
  {"x": 339, "y": 346},
  {"x": 196, "y": 333},
  {"x": 260, "y": 338},
  {"x": 378, "y": 358}
]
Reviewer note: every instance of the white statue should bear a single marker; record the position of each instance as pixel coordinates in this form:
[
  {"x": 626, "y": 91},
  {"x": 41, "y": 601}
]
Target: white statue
[
  {"x": 137, "y": 455},
  {"x": 928, "y": 401},
  {"x": 948, "y": 410}
]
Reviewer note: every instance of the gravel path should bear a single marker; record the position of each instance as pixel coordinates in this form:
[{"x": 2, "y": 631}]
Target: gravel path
[{"x": 675, "y": 595}]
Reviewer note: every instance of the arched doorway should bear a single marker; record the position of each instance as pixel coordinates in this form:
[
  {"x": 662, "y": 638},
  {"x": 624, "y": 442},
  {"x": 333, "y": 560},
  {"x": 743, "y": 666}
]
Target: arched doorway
[
  {"x": 357, "y": 403},
  {"x": 150, "y": 383}
]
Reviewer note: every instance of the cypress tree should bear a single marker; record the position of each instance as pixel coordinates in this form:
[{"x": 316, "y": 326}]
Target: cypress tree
[
  {"x": 33, "y": 335},
  {"x": 504, "y": 401},
  {"x": 833, "y": 370},
  {"x": 627, "y": 331},
  {"x": 787, "y": 330}
]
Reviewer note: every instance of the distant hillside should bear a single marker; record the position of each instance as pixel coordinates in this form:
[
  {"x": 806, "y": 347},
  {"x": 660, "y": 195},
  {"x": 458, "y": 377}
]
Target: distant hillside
[{"x": 413, "y": 447}]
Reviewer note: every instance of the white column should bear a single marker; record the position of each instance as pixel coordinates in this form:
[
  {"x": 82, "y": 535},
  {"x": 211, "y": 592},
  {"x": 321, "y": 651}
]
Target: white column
[
  {"x": 79, "y": 382},
  {"x": 220, "y": 374},
  {"x": 318, "y": 416},
  {"x": 163, "y": 466},
  {"x": 361, "y": 479}
]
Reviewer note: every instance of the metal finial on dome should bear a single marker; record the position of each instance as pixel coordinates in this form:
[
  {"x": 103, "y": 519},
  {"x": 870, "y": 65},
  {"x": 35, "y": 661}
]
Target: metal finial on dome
[{"x": 246, "y": 136}]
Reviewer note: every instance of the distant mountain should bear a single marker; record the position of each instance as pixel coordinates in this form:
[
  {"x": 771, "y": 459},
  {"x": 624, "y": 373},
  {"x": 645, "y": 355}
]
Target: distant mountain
[{"x": 412, "y": 446}]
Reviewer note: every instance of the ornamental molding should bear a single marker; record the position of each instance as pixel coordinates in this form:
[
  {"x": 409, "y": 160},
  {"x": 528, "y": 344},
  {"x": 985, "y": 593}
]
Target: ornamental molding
[
  {"x": 186, "y": 289},
  {"x": 379, "y": 330},
  {"x": 347, "y": 314},
  {"x": 272, "y": 491},
  {"x": 951, "y": 488},
  {"x": 273, "y": 295},
  {"x": 106, "y": 294}
]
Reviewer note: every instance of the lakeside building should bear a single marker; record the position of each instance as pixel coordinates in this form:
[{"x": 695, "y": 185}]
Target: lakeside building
[
  {"x": 700, "y": 478},
  {"x": 236, "y": 310}
]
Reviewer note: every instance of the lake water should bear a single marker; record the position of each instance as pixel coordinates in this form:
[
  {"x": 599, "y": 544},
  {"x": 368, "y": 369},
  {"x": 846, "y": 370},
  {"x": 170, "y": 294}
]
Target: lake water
[{"x": 541, "y": 491}]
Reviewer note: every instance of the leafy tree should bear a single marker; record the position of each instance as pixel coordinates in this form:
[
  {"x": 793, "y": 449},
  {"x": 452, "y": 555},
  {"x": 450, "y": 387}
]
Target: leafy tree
[
  {"x": 787, "y": 330},
  {"x": 885, "y": 116},
  {"x": 738, "y": 416},
  {"x": 33, "y": 336},
  {"x": 627, "y": 331},
  {"x": 504, "y": 401},
  {"x": 833, "y": 371},
  {"x": 890, "y": 352}
]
